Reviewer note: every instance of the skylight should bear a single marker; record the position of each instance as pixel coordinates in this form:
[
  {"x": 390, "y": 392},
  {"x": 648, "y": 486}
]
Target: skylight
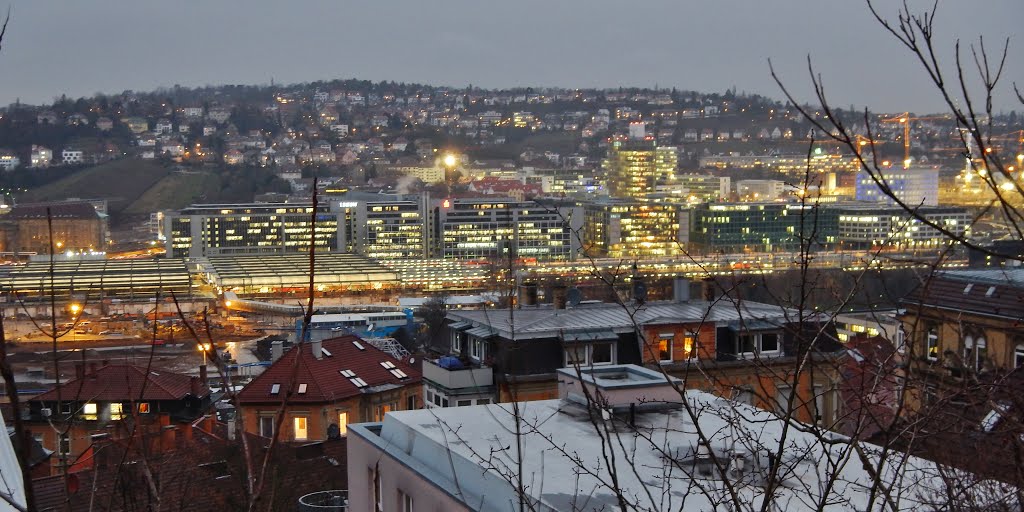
[
  {"x": 357, "y": 382},
  {"x": 275, "y": 389},
  {"x": 991, "y": 290},
  {"x": 388, "y": 365},
  {"x": 302, "y": 389},
  {"x": 325, "y": 352},
  {"x": 398, "y": 373},
  {"x": 348, "y": 373},
  {"x": 359, "y": 345},
  {"x": 967, "y": 289}
]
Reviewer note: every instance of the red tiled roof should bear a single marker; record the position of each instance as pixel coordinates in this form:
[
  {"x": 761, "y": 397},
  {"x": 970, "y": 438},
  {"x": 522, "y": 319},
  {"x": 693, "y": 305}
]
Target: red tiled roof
[
  {"x": 985, "y": 298},
  {"x": 123, "y": 382},
  {"x": 323, "y": 378}
]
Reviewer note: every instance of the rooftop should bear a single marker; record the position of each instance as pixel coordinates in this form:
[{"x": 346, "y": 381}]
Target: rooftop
[
  {"x": 566, "y": 447},
  {"x": 124, "y": 382},
  {"x": 544, "y": 322},
  {"x": 347, "y": 367}
]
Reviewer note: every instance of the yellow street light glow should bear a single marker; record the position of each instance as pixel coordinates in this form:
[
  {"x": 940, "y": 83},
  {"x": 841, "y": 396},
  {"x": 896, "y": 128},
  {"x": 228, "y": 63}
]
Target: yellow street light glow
[
  {"x": 204, "y": 347},
  {"x": 227, "y": 303},
  {"x": 75, "y": 308},
  {"x": 1006, "y": 186},
  {"x": 449, "y": 160}
]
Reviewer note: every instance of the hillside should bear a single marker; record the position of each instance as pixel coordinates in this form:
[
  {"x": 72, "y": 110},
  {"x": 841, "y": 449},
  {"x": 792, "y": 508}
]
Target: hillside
[
  {"x": 121, "y": 182},
  {"x": 176, "y": 190}
]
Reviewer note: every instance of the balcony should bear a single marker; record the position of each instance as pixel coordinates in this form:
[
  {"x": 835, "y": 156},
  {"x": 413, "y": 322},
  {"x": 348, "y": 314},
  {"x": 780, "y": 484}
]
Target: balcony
[{"x": 474, "y": 377}]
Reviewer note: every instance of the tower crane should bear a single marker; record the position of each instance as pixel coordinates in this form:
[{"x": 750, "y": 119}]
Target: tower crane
[{"x": 905, "y": 119}]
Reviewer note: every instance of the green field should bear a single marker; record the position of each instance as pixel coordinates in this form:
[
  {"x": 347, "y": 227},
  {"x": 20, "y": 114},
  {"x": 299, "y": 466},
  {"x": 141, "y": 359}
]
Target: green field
[{"x": 174, "y": 191}]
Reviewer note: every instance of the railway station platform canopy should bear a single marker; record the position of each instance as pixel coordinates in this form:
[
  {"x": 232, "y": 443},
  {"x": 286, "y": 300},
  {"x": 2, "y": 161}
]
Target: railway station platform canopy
[
  {"x": 290, "y": 273},
  {"x": 97, "y": 279}
]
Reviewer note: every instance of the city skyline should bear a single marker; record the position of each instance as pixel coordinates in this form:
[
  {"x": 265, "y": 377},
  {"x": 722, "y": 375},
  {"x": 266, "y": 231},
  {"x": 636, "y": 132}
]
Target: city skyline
[{"x": 705, "y": 47}]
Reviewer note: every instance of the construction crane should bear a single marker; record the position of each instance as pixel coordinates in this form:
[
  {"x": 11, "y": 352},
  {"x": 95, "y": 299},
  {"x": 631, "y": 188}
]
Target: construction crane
[{"x": 905, "y": 119}]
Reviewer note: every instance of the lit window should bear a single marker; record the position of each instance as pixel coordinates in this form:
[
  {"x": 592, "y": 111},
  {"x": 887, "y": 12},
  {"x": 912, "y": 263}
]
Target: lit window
[
  {"x": 116, "y": 411},
  {"x": 343, "y": 423},
  {"x": 301, "y": 426},
  {"x": 89, "y": 411},
  {"x": 144, "y": 408},
  {"x": 665, "y": 348},
  {"x": 690, "y": 346},
  {"x": 932, "y": 346}
]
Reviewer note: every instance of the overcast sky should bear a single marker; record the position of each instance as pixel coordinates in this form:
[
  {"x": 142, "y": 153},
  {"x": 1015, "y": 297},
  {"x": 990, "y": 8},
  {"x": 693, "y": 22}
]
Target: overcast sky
[{"x": 77, "y": 48}]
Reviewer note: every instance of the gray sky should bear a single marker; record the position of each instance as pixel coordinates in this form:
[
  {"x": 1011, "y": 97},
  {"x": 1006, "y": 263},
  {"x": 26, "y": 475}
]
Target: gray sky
[{"x": 82, "y": 47}]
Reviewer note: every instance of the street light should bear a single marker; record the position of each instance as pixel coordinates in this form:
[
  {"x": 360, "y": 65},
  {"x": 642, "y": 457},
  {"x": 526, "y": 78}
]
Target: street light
[
  {"x": 204, "y": 348},
  {"x": 450, "y": 160}
]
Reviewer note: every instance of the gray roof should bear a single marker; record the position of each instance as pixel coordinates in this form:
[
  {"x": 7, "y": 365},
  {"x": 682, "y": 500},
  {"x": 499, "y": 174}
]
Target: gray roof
[
  {"x": 1012, "y": 277},
  {"x": 545, "y": 322}
]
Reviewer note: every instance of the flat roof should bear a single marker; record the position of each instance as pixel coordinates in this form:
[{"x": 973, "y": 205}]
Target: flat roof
[
  {"x": 292, "y": 270},
  {"x": 564, "y": 458},
  {"x": 106, "y": 277}
]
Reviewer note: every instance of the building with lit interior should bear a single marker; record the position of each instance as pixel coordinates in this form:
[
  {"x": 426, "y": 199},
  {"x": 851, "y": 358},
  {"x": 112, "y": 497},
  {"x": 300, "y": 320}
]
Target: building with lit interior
[
  {"x": 912, "y": 186},
  {"x": 390, "y": 229},
  {"x": 619, "y": 228},
  {"x": 741, "y": 227},
  {"x": 503, "y": 228},
  {"x": 254, "y": 228},
  {"x": 635, "y": 168},
  {"x": 866, "y": 227}
]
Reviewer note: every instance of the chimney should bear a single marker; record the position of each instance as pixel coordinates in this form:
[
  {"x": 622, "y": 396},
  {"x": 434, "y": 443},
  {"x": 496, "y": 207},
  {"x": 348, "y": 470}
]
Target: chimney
[
  {"x": 203, "y": 376},
  {"x": 276, "y": 350},
  {"x": 528, "y": 294},
  {"x": 639, "y": 290},
  {"x": 559, "y": 295},
  {"x": 194, "y": 386},
  {"x": 79, "y": 370},
  {"x": 681, "y": 289},
  {"x": 318, "y": 349},
  {"x": 708, "y": 289},
  {"x": 92, "y": 368}
]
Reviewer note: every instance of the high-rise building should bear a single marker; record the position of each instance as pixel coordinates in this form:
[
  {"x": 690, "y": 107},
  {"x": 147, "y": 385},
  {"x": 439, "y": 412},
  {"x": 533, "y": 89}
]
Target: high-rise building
[
  {"x": 253, "y": 228},
  {"x": 390, "y": 229},
  {"x": 636, "y": 168},
  {"x": 502, "y": 228},
  {"x": 618, "y": 228},
  {"x": 915, "y": 187}
]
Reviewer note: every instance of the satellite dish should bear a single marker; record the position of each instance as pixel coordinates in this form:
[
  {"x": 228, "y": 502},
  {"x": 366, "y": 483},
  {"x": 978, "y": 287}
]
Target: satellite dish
[{"x": 575, "y": 296}]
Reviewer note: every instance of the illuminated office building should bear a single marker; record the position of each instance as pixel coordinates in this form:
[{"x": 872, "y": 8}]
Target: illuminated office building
[
  {"x": 502, "y": 228},
  {"x": 618, "y": 228},
  {"x": 912, "y": 186},
  {"x": 870, "y": 227},
  {"x": 390, "y": 229},
  {"x": 255, "y": 228},
  {"x": 760, "y": 227},
  {"x": 636, "y": 168}
]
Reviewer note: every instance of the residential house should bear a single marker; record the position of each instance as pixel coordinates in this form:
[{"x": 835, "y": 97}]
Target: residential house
[
  {"x": 738, "y": 349},
  {"x": 9, "y": 161},
  {"x": 70, "y": 156},
  {"x": 103, "y": 399},
  {"x": 328, "y": 384},
  {"x": 136, "y": 125},
  {"x": 105, "y": 124},
  {"x": 234, "y": 157},
  {"x": 961, "y": 326},
  {"x": 40, "y": 157},
  {"x": 625, "y": 434}
]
